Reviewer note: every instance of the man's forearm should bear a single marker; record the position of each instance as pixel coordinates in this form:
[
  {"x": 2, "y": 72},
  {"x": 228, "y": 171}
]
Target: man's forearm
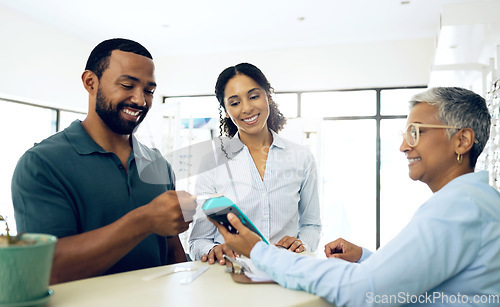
[
  {"x": 93, "y": 253},
  {"x": 176, "y": 252}
]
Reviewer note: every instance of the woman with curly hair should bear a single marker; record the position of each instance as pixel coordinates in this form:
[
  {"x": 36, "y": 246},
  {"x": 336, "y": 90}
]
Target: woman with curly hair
[{"x": 272, "y": 180}]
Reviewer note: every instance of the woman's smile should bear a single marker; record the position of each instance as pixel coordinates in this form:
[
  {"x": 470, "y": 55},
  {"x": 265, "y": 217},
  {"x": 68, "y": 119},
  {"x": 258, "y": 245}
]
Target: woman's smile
[
  {"x": 251, "y": 120},
  {"x": 412, "y": 161}
]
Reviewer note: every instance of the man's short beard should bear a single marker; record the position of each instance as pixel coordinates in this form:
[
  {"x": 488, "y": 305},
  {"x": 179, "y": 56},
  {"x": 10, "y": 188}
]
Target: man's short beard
[{"x": 110, "y": 114}]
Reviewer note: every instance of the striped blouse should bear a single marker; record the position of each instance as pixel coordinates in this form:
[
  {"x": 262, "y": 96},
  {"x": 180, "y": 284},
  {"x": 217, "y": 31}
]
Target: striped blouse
[{"x": 284, "y": 203}]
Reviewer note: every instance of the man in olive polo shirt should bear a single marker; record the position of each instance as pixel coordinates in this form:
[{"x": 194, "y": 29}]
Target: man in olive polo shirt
[{"x": 83, "y": 185}]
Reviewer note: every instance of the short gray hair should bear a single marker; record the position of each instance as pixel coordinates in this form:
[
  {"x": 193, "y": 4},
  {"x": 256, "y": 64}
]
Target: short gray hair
[{"x": 462, "y": 108}]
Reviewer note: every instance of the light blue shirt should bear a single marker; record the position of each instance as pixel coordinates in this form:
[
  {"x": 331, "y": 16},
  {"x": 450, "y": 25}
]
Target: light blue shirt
[
  {"x": 447, "y": 255},
  {"x": 285, "y": 202}
]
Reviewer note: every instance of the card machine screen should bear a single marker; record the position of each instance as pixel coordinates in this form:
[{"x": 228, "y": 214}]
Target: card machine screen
[{"x": 217, "y": 209}]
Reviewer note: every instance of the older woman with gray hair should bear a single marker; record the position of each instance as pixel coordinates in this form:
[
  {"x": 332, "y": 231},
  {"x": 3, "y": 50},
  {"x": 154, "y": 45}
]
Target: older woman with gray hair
[{"x": 447, "y": 255}]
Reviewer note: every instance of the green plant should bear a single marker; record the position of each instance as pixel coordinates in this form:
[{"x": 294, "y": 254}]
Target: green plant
[
  {"x": 9, "y": 237},
  {"x": 16, "y": 240}
]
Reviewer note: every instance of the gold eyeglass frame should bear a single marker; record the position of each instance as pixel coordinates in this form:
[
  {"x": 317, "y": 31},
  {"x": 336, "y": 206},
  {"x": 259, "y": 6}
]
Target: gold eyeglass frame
[{"x": 407, "y": 137}]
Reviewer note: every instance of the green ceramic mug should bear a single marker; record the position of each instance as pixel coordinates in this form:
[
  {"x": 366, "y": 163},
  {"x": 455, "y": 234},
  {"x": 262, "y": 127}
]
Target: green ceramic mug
[{"x": 25, "y": 270}]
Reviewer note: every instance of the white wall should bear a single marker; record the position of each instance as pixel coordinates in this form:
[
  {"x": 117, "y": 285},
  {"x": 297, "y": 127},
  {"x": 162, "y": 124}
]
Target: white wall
[
  {"x": 385, "y": 64},
  {"x": 43, "y": 64}
]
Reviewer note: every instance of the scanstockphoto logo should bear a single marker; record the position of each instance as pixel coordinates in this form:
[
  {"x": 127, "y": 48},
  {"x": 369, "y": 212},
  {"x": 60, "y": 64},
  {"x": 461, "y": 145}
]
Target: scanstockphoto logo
[
  {"x": 198, "y": 158},
  {"x": 185, "y": 162},
  {"x": 430, "y": 298}
]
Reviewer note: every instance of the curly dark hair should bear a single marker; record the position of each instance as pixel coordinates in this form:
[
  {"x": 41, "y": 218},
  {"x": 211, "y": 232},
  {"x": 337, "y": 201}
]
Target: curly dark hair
[{"x": 276, "y": 121}]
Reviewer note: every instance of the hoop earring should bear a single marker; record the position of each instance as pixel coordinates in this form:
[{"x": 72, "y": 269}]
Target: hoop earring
[{"x": 460, "y": 158}]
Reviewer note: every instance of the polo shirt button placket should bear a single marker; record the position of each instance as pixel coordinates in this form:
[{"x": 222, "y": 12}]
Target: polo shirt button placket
[{"x": 129, "y": 185}]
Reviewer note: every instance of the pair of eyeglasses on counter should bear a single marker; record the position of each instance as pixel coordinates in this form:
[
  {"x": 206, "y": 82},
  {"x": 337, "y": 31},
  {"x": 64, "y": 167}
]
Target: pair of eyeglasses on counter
[{"x": 412, "y": 133}]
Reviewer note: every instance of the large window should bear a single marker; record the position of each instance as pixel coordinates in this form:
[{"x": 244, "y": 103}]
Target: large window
[
  {"x": 365, "y": 193},
  {"x": 399, "y": 195},
  {"x": 364, "y": 181},
  {"x": 336, "y": 104},
  {"x": 347, "y": 177},
  {"x": 24, "y": 126}
]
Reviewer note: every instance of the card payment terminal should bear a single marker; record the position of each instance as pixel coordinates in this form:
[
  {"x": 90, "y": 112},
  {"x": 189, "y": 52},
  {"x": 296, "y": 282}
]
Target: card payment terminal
[{"x": 219, "y": 206}]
